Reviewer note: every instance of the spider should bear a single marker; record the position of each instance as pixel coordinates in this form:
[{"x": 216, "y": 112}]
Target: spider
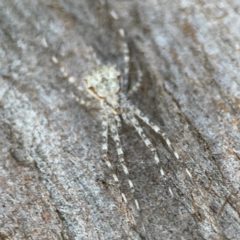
[{"x": 103, "y": 82}]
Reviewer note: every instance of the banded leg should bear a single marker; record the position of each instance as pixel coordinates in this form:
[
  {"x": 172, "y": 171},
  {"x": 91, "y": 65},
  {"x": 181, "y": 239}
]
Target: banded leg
[
  {"x": 126, "y": 58},
  {"x": 137, "y": 85},
  {"x": 125, "y": 51},
  {"x": 147, "y": 142},
  {"x": 145, "y": 119},
  {"x": 134, "y": 122},
  {"x": 105, "y": 145},
  {"x": 72, "y": 81},
  {"x": 116, "y": 138},
  {"x": 105, "y": 141},
  {"x": 66, "y": 75}
]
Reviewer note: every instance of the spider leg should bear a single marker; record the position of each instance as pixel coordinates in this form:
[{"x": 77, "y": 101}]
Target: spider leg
[
  {"x": 145, "y": 119},
  {"x": 105, "y": 141},
  {"x": 115, "y": 121},
  {"x": 125, "y": 52},
  {"x": 124, "y": 46},
  {"x": 129, "y": 118},
  {"x": 138, "y": 84},
  {"x": 72, "y": 81},
  {"x": 126, "y": 59},
  {"x": 66, "y": 75},
  {"x": 105, "y": 145}
]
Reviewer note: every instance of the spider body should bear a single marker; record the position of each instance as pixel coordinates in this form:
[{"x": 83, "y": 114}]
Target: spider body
[{"x": 103, "y": 82}]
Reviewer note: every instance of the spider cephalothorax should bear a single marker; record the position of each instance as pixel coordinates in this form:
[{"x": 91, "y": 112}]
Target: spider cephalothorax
[
  {"x": 103, "y": 83},
  {"x": 103, "y": 80}
]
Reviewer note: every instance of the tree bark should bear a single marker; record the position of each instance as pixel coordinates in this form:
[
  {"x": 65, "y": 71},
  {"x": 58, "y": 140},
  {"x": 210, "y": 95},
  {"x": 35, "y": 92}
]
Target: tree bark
[{"x": 53, "y": 183}]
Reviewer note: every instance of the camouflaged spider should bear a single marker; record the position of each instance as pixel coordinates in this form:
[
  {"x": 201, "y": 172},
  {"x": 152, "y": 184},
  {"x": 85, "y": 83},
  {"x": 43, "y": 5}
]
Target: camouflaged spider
[{"x": 103, "y": 82}]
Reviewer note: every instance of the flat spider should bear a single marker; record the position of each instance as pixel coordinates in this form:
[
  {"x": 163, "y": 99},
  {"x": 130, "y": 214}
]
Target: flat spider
[{"x": 103, "y": 82}]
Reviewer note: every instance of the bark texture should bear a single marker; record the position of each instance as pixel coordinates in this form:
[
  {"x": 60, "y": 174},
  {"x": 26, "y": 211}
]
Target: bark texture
[{"x": 53, "y": 184}]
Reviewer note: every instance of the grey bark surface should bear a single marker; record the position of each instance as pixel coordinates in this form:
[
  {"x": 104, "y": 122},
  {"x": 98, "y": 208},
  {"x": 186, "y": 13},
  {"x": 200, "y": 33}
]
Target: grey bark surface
[{"x": 53, "y": 183}]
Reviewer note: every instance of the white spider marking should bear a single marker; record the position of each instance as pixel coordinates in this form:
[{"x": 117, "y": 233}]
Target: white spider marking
[
  {"x": 115, "y": 178},
  {"x": 55, "y": 60},
  {"x": 124, "y": 198},
  {"x": 103, "y": 82},
  {"x": 189, "y": 174},
  {"x": 44, "y": 43},
  {"x": 113, "y": 14},
  {"x": 137, "y": 205},
  {"x": 170, "y": 190}
]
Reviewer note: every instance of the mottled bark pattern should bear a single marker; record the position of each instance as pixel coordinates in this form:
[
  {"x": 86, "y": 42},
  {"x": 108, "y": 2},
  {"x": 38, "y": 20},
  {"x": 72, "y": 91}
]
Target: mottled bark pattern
[{"x": 53, "y": 183}]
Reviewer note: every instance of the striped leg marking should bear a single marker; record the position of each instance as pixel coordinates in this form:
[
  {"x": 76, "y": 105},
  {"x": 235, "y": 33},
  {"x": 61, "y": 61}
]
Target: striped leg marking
[
  {"x": 105, "y": 141},
  {"x": 114, "y": 132},
  {"x": 115, "y": 136},
  {"x": 139, "y": 114},
  {"x": 147, "y": 142},
  {"x": 105, "y": 145},
  {"x": 137, "y": 85}
]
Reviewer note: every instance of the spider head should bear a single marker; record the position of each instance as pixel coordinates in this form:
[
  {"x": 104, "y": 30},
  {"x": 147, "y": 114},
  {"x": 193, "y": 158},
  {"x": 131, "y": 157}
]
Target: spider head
[{"x": 103, "y": 83}]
